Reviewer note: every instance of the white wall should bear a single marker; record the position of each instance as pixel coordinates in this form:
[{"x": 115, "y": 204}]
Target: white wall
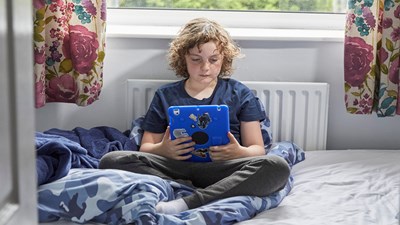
[{"x": 265, "y": 60}]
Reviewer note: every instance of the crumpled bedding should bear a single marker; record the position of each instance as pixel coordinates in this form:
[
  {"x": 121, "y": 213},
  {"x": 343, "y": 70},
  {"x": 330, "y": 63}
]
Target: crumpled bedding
[
  {"x": 97, "y": 140},
  {"x": 119, "y": 197},
  {"x": 57, "y": 151},
  {"x": 56, "y": 155}
]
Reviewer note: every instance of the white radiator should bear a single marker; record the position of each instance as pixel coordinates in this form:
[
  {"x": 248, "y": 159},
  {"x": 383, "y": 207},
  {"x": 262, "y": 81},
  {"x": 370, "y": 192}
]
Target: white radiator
[{"x": 298, "y": 110}]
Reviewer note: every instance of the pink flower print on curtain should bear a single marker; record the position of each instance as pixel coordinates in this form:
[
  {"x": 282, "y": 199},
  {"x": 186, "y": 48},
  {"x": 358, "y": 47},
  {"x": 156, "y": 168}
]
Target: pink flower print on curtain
[
  {"x": 357, "y": 64},
  {"x": 69, "y": 43},
  {"x": 371, "y": 57},
  {"x": 80, "y": 47}
]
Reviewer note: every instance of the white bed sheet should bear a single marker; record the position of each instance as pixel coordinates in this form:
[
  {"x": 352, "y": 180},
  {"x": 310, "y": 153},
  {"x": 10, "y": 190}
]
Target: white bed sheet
[{"x": 346, "y": 187}]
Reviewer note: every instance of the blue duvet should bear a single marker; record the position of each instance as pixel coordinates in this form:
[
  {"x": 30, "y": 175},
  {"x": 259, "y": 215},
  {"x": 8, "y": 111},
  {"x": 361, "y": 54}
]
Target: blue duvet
[{"x": 119, "y": 197}]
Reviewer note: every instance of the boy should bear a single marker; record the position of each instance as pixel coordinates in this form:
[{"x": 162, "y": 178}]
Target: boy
[{"x": 202, "y": 54}]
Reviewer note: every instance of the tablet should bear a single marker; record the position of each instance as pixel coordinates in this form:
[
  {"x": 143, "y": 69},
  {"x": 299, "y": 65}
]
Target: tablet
[{"x": 208, "y": 125}]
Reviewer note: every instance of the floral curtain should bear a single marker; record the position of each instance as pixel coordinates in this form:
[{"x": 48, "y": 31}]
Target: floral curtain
[
  {"x": 69, "y": 43},
  {"x": 371, "y": 57}
]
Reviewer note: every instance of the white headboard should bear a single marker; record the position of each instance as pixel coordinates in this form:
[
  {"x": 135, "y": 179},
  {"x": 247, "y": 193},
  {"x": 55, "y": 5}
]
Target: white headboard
[{"x": 298, "y": 110}]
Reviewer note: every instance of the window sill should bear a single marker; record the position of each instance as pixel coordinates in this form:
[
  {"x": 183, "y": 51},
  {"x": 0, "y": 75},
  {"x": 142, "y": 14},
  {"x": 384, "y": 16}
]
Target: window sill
[
  {"x": 257, "y": 34},
  {"x": 271, "y": 26}
]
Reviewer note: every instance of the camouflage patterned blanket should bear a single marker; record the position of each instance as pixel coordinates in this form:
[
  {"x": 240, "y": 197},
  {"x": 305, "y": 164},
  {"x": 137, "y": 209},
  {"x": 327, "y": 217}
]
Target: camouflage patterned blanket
[{"x": 118, "y": 197}]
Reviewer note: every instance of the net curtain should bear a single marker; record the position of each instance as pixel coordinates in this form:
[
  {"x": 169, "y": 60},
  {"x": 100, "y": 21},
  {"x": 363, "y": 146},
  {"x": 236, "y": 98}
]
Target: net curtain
[
  {"x": 371, "y": 57},
  {"x": 69, "y": 43}
]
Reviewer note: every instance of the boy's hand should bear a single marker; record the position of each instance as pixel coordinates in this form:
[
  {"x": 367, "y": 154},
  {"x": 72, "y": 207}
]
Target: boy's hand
[
  {"x": 228, "y": 151},
  {"x": 176, "y": 149}
]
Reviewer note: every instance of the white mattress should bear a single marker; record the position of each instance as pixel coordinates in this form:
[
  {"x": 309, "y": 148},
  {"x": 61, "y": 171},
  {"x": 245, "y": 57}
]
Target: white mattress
[{"x": 346, "y": 187}]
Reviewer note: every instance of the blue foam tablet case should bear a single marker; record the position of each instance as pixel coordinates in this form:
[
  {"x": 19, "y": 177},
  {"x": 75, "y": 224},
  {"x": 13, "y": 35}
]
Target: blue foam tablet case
[{"x": 208, "y": 125}]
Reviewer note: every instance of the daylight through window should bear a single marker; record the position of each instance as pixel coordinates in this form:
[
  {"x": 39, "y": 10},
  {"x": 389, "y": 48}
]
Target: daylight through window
[{"x": 321, "y": 6}]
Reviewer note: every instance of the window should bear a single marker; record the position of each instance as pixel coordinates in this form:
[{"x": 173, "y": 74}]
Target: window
[
  {"x": 305, "y": 20},
  {"x": 325, "y": 6}
]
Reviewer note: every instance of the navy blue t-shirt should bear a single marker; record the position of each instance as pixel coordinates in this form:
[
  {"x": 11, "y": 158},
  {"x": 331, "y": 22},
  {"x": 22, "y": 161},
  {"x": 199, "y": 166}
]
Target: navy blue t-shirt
[{"x": 242, "y": 103}]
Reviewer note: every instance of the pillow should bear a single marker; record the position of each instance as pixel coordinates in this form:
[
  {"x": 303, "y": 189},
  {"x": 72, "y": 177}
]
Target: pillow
[
  {"x": 288, "y": 150},
  {"x": 136, "y": 133},
  {"x": 266, "y": 131}
]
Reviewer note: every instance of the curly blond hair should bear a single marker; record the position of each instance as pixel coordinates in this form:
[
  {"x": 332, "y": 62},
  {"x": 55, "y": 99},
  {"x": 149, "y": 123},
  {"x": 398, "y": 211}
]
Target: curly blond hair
[{"x": 195, "y": 33}]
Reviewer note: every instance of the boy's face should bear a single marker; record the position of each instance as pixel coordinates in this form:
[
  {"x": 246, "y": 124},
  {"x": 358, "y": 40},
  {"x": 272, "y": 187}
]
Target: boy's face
[{"x": 204, "y": 63}]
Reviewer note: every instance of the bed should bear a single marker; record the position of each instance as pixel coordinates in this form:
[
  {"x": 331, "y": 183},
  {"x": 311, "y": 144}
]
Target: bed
[
  {"x": 341, "y": 187},
  {"x": 325, "y": 187}
]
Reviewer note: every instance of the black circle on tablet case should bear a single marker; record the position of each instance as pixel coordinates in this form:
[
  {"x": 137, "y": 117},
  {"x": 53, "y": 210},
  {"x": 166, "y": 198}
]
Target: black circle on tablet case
[{"x": 200, "y": 137}]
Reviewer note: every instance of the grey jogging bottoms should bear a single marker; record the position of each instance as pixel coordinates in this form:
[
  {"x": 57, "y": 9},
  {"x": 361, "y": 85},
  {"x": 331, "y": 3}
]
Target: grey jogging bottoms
[{"x": 254, "y": 176}]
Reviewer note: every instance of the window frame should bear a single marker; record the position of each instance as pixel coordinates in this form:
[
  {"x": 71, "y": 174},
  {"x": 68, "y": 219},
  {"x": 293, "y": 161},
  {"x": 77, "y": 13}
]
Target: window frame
[{"x": 249, "y": 25}]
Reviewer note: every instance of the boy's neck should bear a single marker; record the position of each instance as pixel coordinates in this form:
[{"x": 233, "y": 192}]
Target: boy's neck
[{"x": 198, "y": 91}]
